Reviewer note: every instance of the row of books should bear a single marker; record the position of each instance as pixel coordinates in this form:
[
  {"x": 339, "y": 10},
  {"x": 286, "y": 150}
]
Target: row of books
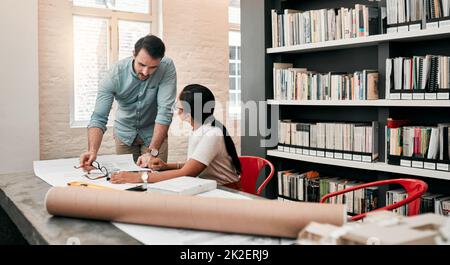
[
  {"x": 423, "y": 142},
  {"x": 407, "y": 15},
  {"x": 300, "y": 84},
  {"x": 437, "y": 8},
  {"x": 294, "y": 27},
  {"x": 402, "y": 11},
  {"x": 435, "y": 203},
  {"x": 351, "y": 141},
  {"x": 429, "y": 202},
  {"x": 311, "y": 187},
  {"x": 418, "y": 74}
]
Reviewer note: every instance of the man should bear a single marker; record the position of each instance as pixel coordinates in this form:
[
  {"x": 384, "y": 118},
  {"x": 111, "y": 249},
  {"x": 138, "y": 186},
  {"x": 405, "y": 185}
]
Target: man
[{"x": 144, "y": 87}]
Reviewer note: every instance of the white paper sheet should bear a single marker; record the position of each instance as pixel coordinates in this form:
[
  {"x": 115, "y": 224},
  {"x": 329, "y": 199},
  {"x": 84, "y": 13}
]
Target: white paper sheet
[{"x": 61, "y": 171}]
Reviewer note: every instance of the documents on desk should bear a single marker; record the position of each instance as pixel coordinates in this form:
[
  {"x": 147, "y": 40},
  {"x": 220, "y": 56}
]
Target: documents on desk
[{"x": 60, "y": 172}]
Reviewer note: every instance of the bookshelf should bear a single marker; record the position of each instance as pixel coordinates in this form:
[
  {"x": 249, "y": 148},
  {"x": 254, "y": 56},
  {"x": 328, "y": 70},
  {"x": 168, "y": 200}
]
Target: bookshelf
[
  {"x": 368, "y": 103},
  {"x": 346, "y": 55},
  {"x": 416, "y": 35},
  {"x": 377, "y": 166}
]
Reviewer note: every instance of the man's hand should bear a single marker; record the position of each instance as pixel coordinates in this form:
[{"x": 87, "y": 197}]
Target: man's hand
[
  {"x": 154, "y": 163},
  {"x": 157, "y": 164},
  {"x": 144, "y": 160},
  {"x": 86, "y": 160}
]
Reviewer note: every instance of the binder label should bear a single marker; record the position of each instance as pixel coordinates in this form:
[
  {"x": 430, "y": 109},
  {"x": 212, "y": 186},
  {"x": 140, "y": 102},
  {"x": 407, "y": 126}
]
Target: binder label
[
  {"x": 321, "y": 153},
  {"x": 286, "y": 149},
  {"x": 306, "y": 151},
  {"x": 443, "y": 167},
  {"x": 419, "y": 96},
  {"x": 329, "y": 154},
  {"x": 417, "y": 164},
  {"x": 405, "y": 163},
  {"x": 338, "y": 155},
  {"x": 348, "y": 156},
  {"x": 366, "y": 159},
  {"x": 292, "y": 150},
  {"x": 407, "y": 96},
  {"x": 432, "y": 25},
  {"x": 442, "y": 95},
  {"x": 429, "y": 165},
  {"x": 430, "y": 96},
  {"x": 298, "y": 151},
  {"x": 357, "y": 157},
  {"x": 391, "y": 30},
  {"x": 444, "y": 23},
  {"x": 313, "y": 152},
  {"x": 280, "y": 148},
  {"x": 394, "y": 96},
  {"x": 414, "y": 27}
]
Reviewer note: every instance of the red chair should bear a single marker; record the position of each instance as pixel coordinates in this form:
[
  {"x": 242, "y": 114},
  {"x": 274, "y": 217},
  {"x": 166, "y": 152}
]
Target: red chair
[
  {"x": 415, "y": 188},
  {"x": 251, "y": 167}
]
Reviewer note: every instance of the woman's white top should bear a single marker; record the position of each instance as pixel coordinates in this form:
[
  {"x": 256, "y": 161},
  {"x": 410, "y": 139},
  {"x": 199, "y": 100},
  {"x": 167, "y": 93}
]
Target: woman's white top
[{"x": 207, "y": 146}]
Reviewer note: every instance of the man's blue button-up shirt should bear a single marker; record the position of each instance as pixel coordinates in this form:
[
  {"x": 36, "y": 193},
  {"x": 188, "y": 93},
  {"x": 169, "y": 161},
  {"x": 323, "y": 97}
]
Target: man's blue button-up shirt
[{"x": 140, "y": 103}]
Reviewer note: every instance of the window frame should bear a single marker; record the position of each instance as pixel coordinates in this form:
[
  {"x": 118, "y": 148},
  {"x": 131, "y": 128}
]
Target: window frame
[
  {"x": 237, "y": 75},
  {"x": 113, "y": 17}
]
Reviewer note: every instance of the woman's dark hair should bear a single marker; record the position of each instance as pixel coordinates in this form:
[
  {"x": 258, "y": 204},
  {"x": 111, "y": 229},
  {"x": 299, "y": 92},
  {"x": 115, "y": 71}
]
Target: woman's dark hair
[
  {"x": 199, "y": 101},
  {"x": 152, "y": 44}
]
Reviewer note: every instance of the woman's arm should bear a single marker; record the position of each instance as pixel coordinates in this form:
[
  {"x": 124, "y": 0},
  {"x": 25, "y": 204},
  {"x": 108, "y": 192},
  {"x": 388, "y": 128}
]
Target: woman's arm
[{"x": 191, "y": 168}]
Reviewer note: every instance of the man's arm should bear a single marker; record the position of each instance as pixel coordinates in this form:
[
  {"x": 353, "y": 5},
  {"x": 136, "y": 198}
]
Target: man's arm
[
  {"x": 165, "y": 99},
  {"x": 159, "y": 135},
  {"x": 95, "y": 136},
  {"x": 99, "y": 119}
]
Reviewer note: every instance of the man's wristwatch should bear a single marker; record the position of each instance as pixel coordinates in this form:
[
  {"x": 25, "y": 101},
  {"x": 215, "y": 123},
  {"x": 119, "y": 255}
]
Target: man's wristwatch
[
  {"x": 154, "y": 152},
  {"x": 144, "y": 178}
]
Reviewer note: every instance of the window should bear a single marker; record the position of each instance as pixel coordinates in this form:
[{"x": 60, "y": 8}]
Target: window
[
  {"x": 104, "y": 32},
  {"x": 235, "y": 73},
  {"x": 234, "y": 44}
]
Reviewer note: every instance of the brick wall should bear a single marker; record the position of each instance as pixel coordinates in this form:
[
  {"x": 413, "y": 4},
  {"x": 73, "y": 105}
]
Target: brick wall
[{"x": 196, "y": 36}]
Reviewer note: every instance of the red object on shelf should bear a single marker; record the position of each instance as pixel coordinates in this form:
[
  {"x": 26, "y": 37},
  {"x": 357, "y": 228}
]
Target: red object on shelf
[
  {"x": 396, "y": 123},
  {"x": 414, "y": 187},
  {"x": 251, "y": 168}
]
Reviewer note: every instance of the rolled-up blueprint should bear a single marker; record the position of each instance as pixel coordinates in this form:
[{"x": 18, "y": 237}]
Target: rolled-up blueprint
[{"x": 257, "y": 217}]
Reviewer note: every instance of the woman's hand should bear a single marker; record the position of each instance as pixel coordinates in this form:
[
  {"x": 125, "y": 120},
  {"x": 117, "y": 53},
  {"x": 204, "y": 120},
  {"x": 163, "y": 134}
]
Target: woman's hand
[{"x": 125, "y": 177}]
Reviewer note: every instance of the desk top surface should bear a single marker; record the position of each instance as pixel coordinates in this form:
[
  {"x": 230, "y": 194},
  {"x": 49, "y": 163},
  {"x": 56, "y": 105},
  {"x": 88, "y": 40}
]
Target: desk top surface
[{"x": 22, "y": 196}]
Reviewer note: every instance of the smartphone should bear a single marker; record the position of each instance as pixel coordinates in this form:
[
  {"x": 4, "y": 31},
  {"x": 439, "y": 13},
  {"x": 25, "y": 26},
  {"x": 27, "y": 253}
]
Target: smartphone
[{"x": 137, "y": 188}]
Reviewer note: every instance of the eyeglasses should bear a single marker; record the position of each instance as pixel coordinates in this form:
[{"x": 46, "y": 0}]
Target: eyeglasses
[
  {"x": 96, "y": 165},
  {"x": 175, "y": 108}
]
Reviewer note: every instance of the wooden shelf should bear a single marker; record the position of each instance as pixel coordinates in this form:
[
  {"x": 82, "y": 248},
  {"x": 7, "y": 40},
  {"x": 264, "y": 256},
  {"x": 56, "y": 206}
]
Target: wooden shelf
[
  {"x": 368, "y": 103},
  {"x": 373, "y": 40},
  {"x": 376, "y": 166}
]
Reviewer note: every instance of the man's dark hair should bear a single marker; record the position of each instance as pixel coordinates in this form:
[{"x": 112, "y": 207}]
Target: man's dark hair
[{"x": 152, "y": 44}]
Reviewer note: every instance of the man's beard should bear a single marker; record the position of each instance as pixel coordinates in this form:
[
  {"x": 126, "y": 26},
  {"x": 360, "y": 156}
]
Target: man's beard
[{"x": 143, "y": 77}]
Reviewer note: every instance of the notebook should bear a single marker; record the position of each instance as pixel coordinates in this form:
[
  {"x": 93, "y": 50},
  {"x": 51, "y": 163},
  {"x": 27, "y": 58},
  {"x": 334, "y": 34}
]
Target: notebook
[{"x": 183, "y": 186}]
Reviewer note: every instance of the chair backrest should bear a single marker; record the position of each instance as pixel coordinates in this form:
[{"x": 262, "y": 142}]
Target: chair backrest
[
  {"x": 251, "y": 168},
  {"x": 414, "y": 187}
]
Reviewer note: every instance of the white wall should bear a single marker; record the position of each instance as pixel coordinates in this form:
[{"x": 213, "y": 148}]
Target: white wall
[{"x": 19, "y": 90}]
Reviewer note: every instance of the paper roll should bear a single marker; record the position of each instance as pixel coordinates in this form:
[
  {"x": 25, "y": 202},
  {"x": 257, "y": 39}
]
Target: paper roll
[{"x": 257, "y": 217}]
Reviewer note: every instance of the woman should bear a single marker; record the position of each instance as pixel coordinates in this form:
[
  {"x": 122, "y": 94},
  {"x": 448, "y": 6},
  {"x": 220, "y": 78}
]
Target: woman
[{"x": 211, "y": 151}]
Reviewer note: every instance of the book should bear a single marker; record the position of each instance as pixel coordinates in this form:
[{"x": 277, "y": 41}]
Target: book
[
  {"x": 294, "y": 27},
  {"x": 183, "y": 186},
  {"x": 291, "y": 83}
]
